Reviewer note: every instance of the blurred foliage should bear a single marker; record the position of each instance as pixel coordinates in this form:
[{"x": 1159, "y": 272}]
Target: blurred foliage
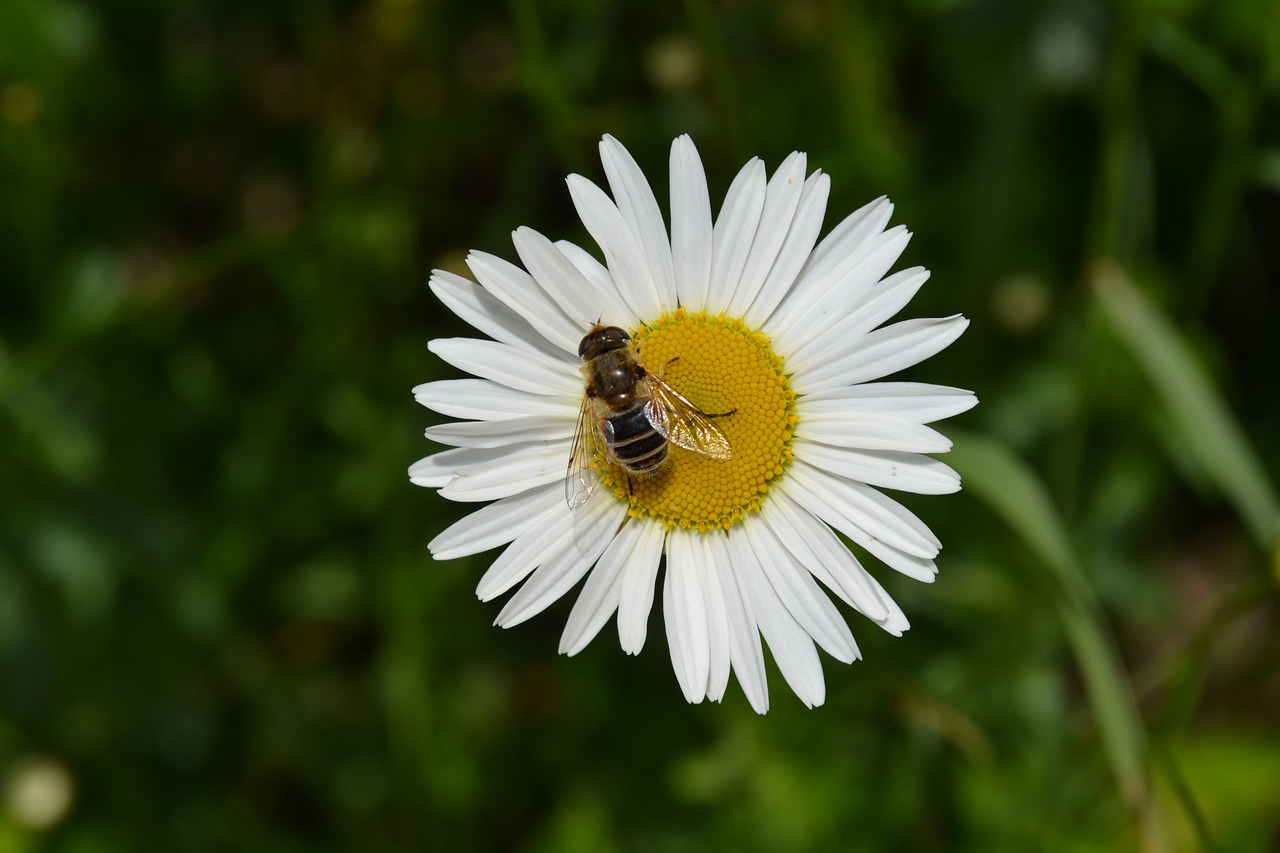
[{"x": 219, "y": 623}]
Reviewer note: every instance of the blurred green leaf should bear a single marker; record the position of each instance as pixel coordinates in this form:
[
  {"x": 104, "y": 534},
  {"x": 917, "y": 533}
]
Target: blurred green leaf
[
  {"x": 1016, "y": 494},
  {"x": 1267, "y": 170},
  {"x": 1195, "y": 406},
  {"x": 1235, "y": 775}
]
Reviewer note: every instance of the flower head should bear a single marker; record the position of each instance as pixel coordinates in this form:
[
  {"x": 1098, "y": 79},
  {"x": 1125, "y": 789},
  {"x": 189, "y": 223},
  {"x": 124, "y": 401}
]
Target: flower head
[{"x": 745, "y": 334}]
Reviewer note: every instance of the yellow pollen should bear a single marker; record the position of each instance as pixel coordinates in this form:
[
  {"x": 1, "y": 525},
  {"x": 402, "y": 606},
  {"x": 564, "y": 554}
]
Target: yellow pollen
[{"x": 721, "y": 366}]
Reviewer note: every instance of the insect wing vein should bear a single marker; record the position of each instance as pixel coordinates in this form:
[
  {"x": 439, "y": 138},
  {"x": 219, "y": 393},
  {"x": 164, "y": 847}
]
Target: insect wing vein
[
  {"x": 581, "y": 477},
  {"x": 682, "y": 423}
]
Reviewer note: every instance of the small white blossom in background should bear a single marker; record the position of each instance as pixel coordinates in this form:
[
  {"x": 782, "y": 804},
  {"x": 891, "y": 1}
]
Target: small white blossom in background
[{"x": 38, "y": 791}]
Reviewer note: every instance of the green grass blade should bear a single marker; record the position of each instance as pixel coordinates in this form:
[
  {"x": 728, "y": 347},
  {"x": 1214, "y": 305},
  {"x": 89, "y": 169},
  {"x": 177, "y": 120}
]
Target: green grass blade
[
  {"x": 1197, "y": 409},
  {"x": 1017, "y": 495}
]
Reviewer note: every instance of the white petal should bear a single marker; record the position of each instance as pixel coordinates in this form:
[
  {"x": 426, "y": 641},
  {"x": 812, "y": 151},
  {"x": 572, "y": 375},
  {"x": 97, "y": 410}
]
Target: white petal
[
  {"x": 719, "y": 657},
  {"x": 795, "y": 251},
  {"x": 880, "y": 516},
  {"x": 917, "y": 568},
  {"x": 593, "y": 529},
  {"x": 622, "y": 253},
  {"x": 484, "y": 400},
  {"x": 883, "y": 352},
  {"x": 781, "y": 198},
  {"x": 913, "y": 401},
  {"x": 495, "y": 524},
  {"x": 801, "y": 596},
  {"x": 896, "y": 623},
  {"x": 884, "y": 300},
  {"x": 870, "y": 432},
  {"x": 577, "y": 297},
  {"x": 905, "y": 472},
  {"x": 523, "y": 370},
  {"x": 734, "y": 232},
  {"x": 638, "y": 578},
  {"x": 815, "y": 311},
  {"x": 791, "y": 647},
  {"x": 691, "y": 234},
  {"x": 810, "y": 493},
  {"x": 855, "y": 229},
  {"x": 487, "y": 313},
  {"x": 745, "y": 650},
  {"x": 520, "y": 292},
  {"x": 542, "y": 538},
  {"x": 599, "y": 278},
  {"x": 819, "y": 550},
  {"x": 502, "y": 433},
  {"x": 602, "y": 591},
  {"x": 519, "y": 468},
  {"x": 639, "y": 208},
  {"x": 438, "y": 469},
  {"x": 684, "y": 611}
]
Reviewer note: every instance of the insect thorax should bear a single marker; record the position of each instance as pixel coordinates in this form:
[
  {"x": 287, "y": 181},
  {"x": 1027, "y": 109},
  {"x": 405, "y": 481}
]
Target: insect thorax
[{"x": 612, "y": 376}]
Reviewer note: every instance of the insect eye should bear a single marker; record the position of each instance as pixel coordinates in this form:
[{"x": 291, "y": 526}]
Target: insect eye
[{"x": 602, "y": 339}]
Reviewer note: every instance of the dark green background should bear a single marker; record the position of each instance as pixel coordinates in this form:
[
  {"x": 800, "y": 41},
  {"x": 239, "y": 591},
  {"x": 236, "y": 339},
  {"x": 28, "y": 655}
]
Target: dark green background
[{"x": 218, "y": 617}]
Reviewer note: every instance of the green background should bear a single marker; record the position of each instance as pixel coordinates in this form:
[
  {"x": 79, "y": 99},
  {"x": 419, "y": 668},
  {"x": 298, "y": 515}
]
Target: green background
[{"x": 220, "y": 627}]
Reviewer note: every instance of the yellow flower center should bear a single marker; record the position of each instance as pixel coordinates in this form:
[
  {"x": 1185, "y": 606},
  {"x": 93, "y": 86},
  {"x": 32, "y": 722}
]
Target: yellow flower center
[{"x": 720, "y": 366}]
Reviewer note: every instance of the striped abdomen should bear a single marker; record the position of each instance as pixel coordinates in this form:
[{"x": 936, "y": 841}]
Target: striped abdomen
[{"x": 633, "y": 442}]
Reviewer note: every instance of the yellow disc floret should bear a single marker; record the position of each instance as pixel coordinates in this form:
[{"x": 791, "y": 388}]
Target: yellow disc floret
[{"x": 722, "y": 367}]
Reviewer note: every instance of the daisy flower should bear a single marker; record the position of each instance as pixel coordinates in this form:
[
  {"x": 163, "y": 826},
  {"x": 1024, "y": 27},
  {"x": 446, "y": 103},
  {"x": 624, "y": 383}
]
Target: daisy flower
[{"x": 775, "y": 334}]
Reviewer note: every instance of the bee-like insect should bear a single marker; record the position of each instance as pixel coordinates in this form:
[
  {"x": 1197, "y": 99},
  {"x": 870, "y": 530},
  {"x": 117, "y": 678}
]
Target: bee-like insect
[{"x": 629, "y": 414}]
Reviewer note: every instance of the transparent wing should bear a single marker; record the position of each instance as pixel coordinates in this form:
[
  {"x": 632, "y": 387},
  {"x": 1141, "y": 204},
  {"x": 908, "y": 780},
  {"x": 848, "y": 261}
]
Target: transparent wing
[
  {"x": 581, "y": 477},
  {"x": 683, "y": 423}
]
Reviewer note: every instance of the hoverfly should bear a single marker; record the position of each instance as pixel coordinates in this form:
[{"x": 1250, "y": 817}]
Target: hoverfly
[{"x": 629, "y": 414}]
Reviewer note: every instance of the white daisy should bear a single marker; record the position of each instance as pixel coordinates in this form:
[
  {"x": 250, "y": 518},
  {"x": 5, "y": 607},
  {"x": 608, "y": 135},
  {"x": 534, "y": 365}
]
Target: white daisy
[{"x": 751, "y": 318}]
